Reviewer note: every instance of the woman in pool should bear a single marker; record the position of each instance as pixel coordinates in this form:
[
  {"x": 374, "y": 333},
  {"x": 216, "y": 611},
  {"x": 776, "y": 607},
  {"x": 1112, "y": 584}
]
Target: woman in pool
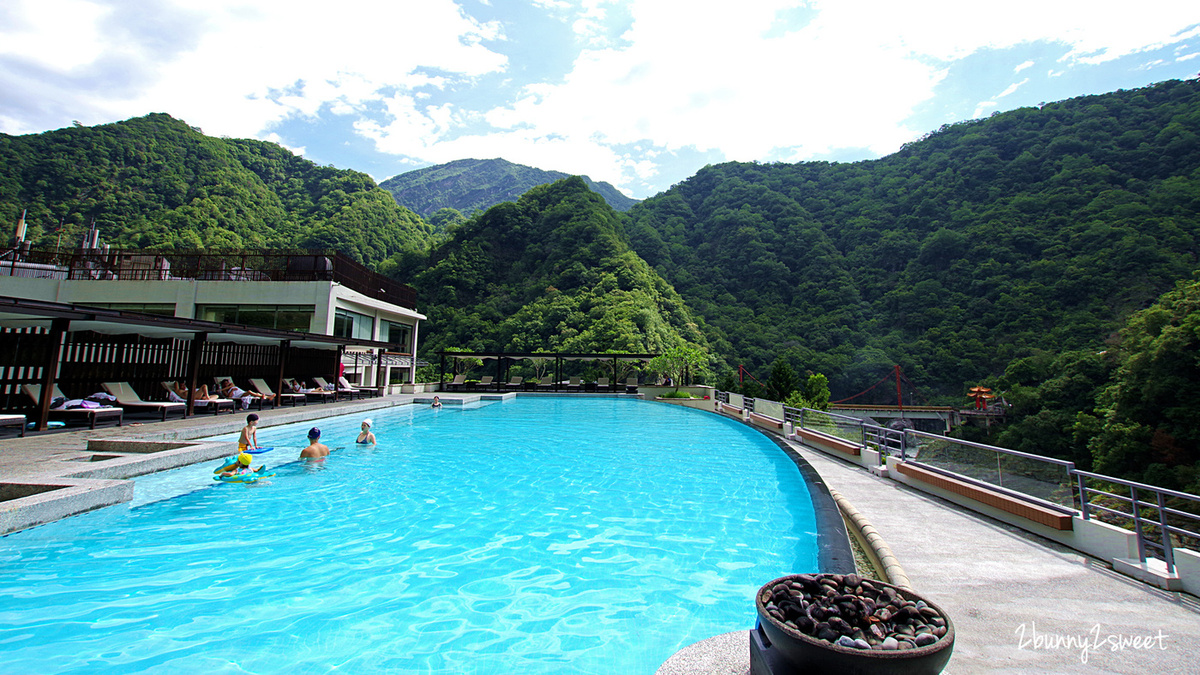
[
  {"x": 366, "y": 437},
  {"x": 437, "y": 402}
]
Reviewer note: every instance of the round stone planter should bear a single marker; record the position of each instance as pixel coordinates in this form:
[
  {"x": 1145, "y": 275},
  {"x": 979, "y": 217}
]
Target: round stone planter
[{"x": 806, "y": 653}]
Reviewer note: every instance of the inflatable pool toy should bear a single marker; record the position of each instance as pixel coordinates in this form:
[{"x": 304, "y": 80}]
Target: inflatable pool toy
[
  {"x": 252, "y": 477},
  {"x": 259, "y": 451},
  {"x": 54, "y": 424}
]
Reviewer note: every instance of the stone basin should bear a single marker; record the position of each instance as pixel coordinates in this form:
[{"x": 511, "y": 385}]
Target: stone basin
[{"x": 796, "y": 652}]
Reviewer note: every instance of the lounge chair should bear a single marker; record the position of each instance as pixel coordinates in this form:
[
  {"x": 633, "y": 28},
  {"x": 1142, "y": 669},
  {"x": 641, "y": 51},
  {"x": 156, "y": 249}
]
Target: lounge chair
[
  {"x": 254, "y": 400},
  {"x": 363, "y": 391},
  {"x": 575, "y": 383},
  {"x": 515, "y": 383},
  {"x": 456, "y": 383},
  {"x": 631, "y": 385},
  {"x": 602, "y": 384},
  {"x": 485, "y": 382},
  {"x": 351, "y": 392},
  {"x": 318, "y": 394},
  {"x": 260, "y": 385},
  {"x": 34, "y": 391},
  {"x": 546, "y": 382},
  {"x": 12, "y": 421},
  {"x": 215, "y": 405},
  {"x": 129, "y": 399}
]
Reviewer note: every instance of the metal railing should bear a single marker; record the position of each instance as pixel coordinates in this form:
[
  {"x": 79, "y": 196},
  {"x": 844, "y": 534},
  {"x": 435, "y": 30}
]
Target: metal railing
[
  {"x": 214, "y": 265},
  {"x": 1154, "y": 519},
  {"x": 1162, "y": 519}
]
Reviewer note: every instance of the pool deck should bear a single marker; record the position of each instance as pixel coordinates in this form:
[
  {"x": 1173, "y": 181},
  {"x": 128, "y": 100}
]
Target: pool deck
[{"x": 1020, "y": 603}]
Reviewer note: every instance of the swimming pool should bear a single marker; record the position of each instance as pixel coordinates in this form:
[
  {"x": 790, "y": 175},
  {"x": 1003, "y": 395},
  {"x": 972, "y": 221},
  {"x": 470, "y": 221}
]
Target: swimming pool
[{"x": 541, "y": 535}]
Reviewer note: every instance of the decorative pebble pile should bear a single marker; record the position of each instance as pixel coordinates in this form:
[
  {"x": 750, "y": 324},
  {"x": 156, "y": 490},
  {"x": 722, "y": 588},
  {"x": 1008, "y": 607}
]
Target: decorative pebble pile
[{"x": 850, "y": 611}]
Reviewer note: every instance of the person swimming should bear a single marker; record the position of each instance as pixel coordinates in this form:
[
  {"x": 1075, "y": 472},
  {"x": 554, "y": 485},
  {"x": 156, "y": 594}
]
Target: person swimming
[
  {"x": 366, "y": 437},
  {"x": 316, "y": 449}
]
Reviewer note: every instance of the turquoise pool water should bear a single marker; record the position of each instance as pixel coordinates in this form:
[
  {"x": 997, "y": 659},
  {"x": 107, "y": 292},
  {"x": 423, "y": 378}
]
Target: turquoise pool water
[{"x": 541, "y": 535}]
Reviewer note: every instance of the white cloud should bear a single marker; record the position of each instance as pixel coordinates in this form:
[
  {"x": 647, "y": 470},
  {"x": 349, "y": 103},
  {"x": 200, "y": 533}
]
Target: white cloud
[
  {"x": 246, "y": 67},
  {"x": 1012, "y": 88},
  {"x": 1023, "y": 66}
]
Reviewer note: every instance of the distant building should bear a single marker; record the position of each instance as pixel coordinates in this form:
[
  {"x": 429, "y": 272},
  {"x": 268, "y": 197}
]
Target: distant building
[{"x": 318, "y": 292}]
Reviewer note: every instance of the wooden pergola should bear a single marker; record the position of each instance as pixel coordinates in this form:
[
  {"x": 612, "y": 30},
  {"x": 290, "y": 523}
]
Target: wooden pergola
[
  {"x": 57, "y": 319},
  {"x": 505, "y": 360}
]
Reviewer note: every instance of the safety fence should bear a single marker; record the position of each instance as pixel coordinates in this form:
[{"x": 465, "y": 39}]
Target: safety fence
[{"x": 1162, "y": 519}]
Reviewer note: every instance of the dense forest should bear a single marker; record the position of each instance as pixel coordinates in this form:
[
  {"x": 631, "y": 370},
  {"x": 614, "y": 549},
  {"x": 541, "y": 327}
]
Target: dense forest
[
  {"x": 155, "y": 182},
  {"x": 551, "y": 271},
  {"x": 1037, "y": 229},
  {"x": 469, "y": 185}
]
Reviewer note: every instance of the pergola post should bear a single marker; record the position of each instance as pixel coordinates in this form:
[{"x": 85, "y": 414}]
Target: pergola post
[
  {"x": 193, "y": 373},
  {"x": 412, "y": 353},
  {"x": 378, "y": 368},
  {"x": 285, "y": 346},
  {"x": 337, "y": 385},
  {"x": 58, "y": 328}
]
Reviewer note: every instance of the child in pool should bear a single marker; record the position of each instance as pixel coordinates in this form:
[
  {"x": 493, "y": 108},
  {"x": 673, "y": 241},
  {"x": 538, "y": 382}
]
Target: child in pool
[
  {"x": 242, "y": 466},
  {"x": 366, "y": 437},
  {"x": 249, "y": 438}
]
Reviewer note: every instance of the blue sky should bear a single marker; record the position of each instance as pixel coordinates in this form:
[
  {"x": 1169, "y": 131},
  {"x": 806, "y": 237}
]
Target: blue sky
[{"x": 638, "y": 93}]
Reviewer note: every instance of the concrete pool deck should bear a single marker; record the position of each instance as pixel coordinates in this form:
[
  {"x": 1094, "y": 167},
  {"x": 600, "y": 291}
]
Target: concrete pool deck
[{"x": 1020, "y": 604}]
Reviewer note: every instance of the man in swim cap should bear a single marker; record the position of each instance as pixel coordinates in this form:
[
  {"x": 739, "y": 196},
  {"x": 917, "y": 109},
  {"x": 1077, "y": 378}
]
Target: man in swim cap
[{"x": 315, "y": 447}]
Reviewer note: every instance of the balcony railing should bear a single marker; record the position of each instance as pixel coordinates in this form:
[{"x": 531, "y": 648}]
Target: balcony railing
[{"x": 242, "y": 265}]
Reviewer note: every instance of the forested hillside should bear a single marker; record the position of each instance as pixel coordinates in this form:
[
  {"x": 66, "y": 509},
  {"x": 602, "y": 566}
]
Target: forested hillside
[
  {"x": 551, "y": 271},
  {"x": 469, "y": 185},
  {"x": 1037, "y": 229},
  {"x": 155, "y": 182}
]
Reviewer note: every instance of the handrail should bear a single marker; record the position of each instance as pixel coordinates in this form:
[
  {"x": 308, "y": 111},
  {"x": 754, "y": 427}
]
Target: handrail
[
  {"x": 993, "y": 448},
  {"x": 1153, "y": 531}
]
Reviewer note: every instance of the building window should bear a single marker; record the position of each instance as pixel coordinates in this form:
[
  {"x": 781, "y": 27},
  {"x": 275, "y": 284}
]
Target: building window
[
  {"x": 399, "y": 334},
  {"x": 161, "y": 309},
  {"x": 281, "y": 317},
  {"x": 349, "y": 324}
]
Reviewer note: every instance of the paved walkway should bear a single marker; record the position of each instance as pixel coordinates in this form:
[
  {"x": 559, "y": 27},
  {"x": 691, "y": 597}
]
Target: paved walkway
[{"x": 1019, "y": 603}]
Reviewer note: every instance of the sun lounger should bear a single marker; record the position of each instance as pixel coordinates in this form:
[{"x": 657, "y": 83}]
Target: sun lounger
[
  {"x": 12, "y": 421},
  {"x": 515, "y": 383},
  {"x": 215, "y": 405},
  {"x": 316, "y": 394},
  {"x": 260, "y": 385},
  {"x": 351, "y": 392},
  {"x": 128, "y": 398},
  {"x": 575, "y": 383},
  {"x": 602, "y": 384},
  {"x": 631, "y": 385},
  {"x": 34, "y": 391},
  {"x": 456, "y": 383},
  {"x": 485, "y": 382},
  {"x": 546, "y": 382},
  {"x": 253, "y": 400},
  {"x": 362, "y": 391}
]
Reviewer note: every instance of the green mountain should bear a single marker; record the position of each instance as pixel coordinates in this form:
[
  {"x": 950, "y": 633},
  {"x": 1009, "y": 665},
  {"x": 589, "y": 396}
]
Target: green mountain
[
  {"x": 551, "y": 271},
  {"x": 155, "y": 182},
  {"x": 985, "y": 242},
  {"x": 468, "y": 185}
]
